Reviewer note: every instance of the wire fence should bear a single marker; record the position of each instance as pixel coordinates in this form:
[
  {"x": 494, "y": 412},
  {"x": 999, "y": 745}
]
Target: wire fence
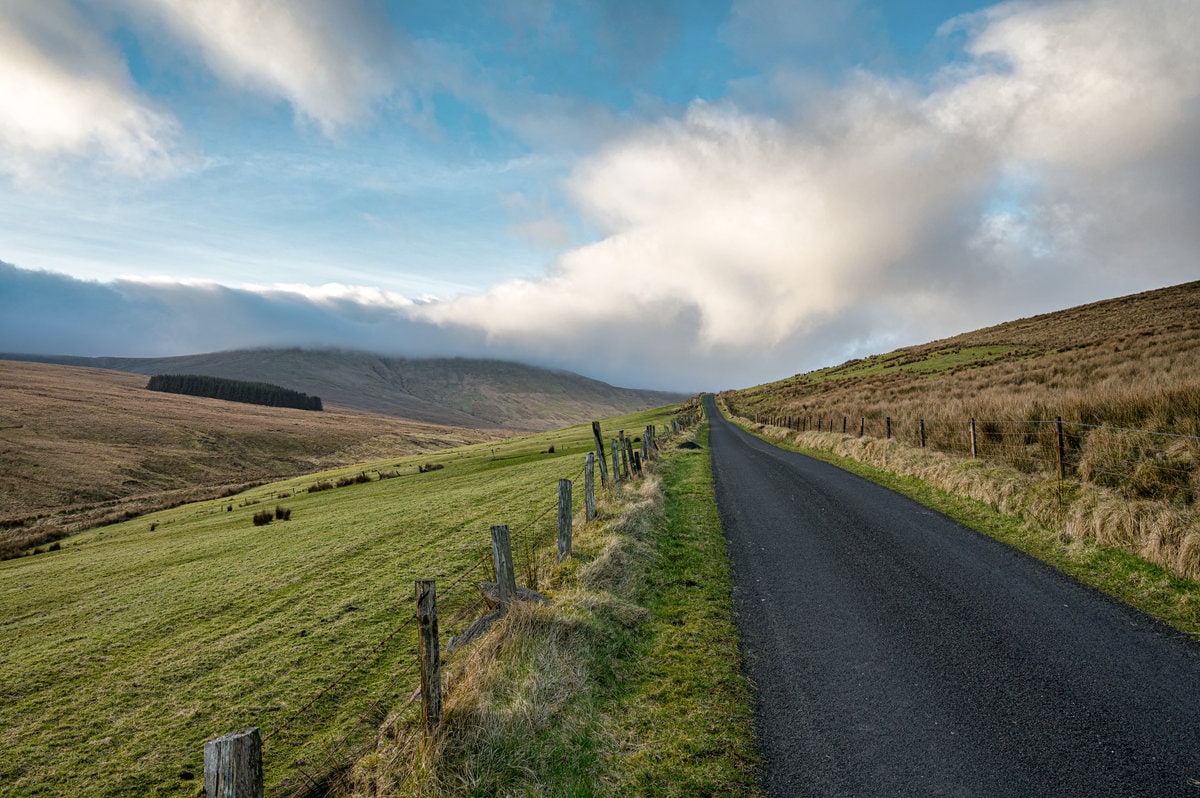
[
  {"x": 315, "y": 766},
  {"x": 1140, "y": 463}
]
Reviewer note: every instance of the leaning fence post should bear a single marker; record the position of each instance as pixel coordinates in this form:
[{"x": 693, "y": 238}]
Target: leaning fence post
[
  {"x": 589, "y": 487},
  {"x": 616, "y": 462},
  {"x": 599, "y": 451},
  {"x": 1062, "y": 470},
  {"x": 564, "y": 519},
  {"x": 635, "y": 468},
  {"x": 506, "y": 578},
  {"x": 973, "y": 450},
  {"x": 427, "y": 650},
  {"x": 624, "y": 456},
  {"x": 233, "y": 765}
]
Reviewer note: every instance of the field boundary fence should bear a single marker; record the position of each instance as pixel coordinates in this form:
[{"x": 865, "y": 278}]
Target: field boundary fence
[
  {"x": 1136, "y": 462},
  {"x": 233, "y": 762}
]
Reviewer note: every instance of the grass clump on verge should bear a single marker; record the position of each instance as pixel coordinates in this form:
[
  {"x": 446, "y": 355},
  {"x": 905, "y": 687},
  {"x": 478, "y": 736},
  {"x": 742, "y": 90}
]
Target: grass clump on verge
[{"x": 629, "y": 683}]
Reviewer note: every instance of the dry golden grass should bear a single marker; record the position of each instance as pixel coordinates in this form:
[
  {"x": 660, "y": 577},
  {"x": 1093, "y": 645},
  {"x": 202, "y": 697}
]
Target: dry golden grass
[
  {"x": 526, "y": 675},
  {"x": 81, "y": 447},
  {"x": 1124, "y": 375}
]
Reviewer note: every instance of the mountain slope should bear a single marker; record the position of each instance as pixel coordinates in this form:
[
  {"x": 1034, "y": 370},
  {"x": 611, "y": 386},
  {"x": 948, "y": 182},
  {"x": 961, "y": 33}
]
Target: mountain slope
[
  {"x": 455, "y": 391},
  {"x": 80, "y": 445},
  {"x": 1130, "y": 361}
]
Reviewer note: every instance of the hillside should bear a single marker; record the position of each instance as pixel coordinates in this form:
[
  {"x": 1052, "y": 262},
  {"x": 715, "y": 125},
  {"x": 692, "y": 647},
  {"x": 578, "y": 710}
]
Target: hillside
[
  {"x": 454, "y": 391},
  {"x": 1131, "y": 361},
  {"x": 81, "y": 445},
  {"x": 978, "y": 415}
]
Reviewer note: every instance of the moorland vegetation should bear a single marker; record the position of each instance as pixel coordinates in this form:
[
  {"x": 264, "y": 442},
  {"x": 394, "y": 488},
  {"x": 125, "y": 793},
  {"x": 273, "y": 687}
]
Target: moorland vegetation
[{"x": 1123, "y": 375}]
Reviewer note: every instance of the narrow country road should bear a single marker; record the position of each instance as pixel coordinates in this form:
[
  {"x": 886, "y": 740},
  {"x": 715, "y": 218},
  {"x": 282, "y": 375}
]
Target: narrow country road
[{"x": 895, "y": 652}]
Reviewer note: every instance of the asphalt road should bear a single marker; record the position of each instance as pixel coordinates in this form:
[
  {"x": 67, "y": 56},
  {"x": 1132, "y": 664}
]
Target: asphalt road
[{"x": 896, "y": 652}]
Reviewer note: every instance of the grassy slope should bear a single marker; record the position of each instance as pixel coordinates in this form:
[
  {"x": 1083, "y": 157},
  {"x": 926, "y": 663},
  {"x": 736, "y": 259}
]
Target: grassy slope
[
  {"x": 629, "y": 684},
  {"x": 1129, "y": 361},
  {"x": 137, "y": 642},
  {"x": 73, "y": 439}
]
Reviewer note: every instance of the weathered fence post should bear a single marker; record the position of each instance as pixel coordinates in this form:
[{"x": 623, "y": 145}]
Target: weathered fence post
[
  {"x": 635, "y": 467},
  {"x": 564, "y": 519},
  {"x": 862, "y": 426},
  {"x": 888, "y": 420},
  {"x": 1062, "y": 469},
  {"x": 599, "y": 451},
  {"x": 973, "y": 450},
  {"x": 624, "y": 457},
  {"x": 589, "y": 487},
  {"x": 922, "y": 433},
  {"x": 843, "y": 425},
  {"x": 506, "y": 577},
  {"x": 427, "y": 650},
  {"x": 674, "y": 426},
  {"x": 616, "y": 463},
  {"x": 233, "y": 765}
]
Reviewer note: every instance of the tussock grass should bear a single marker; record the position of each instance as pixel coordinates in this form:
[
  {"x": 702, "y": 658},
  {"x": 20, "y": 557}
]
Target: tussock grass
[
  {"x": 628, "y": 684},
  {"x": 1131, "y": 362}
]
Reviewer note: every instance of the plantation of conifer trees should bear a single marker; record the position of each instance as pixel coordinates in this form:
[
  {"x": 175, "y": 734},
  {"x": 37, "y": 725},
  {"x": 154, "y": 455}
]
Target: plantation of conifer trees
[{"x": 255, "y": 393}]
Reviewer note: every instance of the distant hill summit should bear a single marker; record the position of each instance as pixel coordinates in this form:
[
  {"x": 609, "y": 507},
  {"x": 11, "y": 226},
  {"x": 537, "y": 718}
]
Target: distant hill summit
[{"x": 461, "y": 392}]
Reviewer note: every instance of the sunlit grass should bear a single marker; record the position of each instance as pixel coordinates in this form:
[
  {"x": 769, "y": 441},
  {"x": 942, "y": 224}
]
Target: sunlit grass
[{"x": 133, "y": 645}]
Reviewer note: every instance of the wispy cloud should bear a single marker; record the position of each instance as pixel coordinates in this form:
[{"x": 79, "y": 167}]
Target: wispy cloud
[
  {"x": 331, "y": 61},
  {"x": 65, "y": 91}
]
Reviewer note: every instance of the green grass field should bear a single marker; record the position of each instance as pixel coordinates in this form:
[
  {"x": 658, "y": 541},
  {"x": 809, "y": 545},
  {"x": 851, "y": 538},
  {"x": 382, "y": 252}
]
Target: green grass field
[{"x": 133, "y": 645}]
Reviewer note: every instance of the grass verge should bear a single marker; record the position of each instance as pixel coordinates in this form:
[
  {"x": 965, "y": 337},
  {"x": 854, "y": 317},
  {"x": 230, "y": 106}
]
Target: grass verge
[
  {"x": 1122, "y": 575},
  {"x": 629, "y": 683}
]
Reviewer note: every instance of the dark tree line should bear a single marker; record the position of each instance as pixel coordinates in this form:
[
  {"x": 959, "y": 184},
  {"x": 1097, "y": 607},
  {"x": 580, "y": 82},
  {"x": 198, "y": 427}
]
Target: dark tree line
[{"x": 254, "y": 393}]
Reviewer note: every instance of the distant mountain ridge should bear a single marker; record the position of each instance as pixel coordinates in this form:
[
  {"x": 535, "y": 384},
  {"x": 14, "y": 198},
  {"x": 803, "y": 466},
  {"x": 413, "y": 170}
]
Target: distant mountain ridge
[{"x": 465, "y": 392}]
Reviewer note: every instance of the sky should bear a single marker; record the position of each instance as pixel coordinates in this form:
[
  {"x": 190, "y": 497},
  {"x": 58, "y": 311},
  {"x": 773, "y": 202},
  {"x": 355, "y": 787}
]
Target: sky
[{"x": 684, "y": 195}]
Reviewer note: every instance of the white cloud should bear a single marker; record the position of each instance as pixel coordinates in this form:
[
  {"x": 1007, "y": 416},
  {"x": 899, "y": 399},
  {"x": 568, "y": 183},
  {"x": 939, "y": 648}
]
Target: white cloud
[
  {"x": 330, "y": 60},
  {"x": 729, "y": 231},
  {"x": 64, "y": 91}
]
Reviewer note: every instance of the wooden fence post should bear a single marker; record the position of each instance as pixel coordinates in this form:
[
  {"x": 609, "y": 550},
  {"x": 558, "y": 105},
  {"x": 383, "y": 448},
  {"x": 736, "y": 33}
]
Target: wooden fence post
[
  {"x": 427, "y": 650},
  {"x": 862, "y": 426},
  {"x": 589, "y": 487},
  {"x": 616, "y": 463},
  {"x": 624, "y": 457},
  {"x": 233, "y": 765},
  {"x": 843, "y": 425},
  {"x": 599, "y": 451},
  {"x": 506, "y": 578},
  {"x": 888, "y": 419},
  {"x": 564, "y": 519},
  {"x": 973, "y": 450},
  {"x": 1062, "y": 469},
  {"x": 635, "y": 466},
  {"x": 674, "y": 426},
  {"x": 922, "y": 433}
]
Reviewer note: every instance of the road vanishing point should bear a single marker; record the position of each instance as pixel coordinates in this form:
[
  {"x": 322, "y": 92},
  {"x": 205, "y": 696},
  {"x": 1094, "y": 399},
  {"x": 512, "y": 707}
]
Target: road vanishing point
[{"x": 896, "y": 652}]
